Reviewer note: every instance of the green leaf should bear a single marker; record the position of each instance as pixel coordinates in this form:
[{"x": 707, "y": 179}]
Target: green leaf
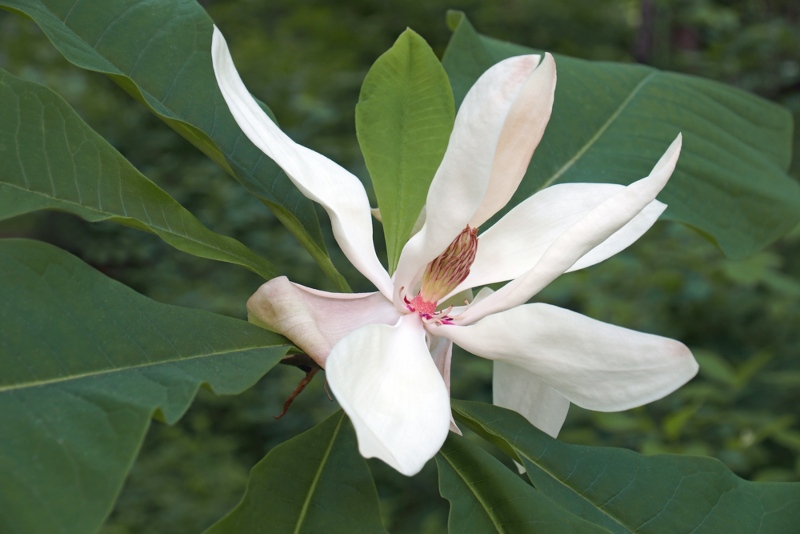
[
  {"x": 627, "y": 492},
  {"x": 403, "y": 119},
  {"x": 160, "y": 53},
  {"x": 85, "y": 362},
  {"x": 52, "y": 159},
  {"x": 715, "y": 367},
  {"x": 315, "y": 482},
  {"x": 611, "y": 122},
  {"x": 485, "y": 496}
]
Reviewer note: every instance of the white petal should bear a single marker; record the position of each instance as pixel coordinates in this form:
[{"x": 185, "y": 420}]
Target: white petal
[
  {"x": 441, "y": 350},
  {"x": 622, "y": 238},
  {"x": 460, "y": 183},
  {"x": 579, "y": 239},
  {"x": 386, "y": 381},
  {"x": 522, "y": 391},
  {"x": 316, "y": 320},
  {"x": 317, "y": 177},
  {"x": 514, "y": 244},
  {"x": 522, "y": 131},
  {"x": 593, "y": 364}
]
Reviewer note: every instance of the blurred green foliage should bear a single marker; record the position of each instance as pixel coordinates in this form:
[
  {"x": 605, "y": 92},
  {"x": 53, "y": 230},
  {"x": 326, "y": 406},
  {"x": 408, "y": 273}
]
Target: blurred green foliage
[{"x": 307, "y": 60}]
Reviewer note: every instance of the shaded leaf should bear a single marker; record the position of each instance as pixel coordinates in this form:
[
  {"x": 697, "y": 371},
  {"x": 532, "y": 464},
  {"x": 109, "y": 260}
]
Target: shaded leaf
[
  {"x": 715, "y": 367},
  {"x": 485, "y": 496},
  {"x": 314, "y": 482},
  {"x": 51, "y": 159},
  {"x": 611, "y": 122},
  {"x": 160, "y": 53},
  {"x": 403, "y": 119},
  {"x": 85, "y": 362},
  {"x": 627, "y": 492}
]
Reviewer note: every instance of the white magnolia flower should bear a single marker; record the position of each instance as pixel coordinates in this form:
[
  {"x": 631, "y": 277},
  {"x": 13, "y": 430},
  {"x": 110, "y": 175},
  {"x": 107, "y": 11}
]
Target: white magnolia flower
[{"x": 387, "y": 354}]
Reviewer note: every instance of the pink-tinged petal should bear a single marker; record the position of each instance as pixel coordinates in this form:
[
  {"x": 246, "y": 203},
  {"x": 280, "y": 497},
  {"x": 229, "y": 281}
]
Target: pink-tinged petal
[
  {"x": 522, "y": 391},
  {"x": 579, "y": 239},
  {"x": 593, "y": 364},
  {"x": 460, "y": 183},
  {"x": 317, "y": 177},
  {"x": 316, "y": 320},
  {"x": 441, "y": 350},
  {"x": 522, "y": 131},
  {"x": 513, "y": 245},
  {"x": 384, "y": 378}
]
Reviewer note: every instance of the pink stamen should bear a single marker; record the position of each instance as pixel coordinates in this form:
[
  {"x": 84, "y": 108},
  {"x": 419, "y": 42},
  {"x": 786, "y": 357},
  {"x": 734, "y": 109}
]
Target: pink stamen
[
  {"x": 427, "y": 310},
  {"x": 421, "y": 306}
]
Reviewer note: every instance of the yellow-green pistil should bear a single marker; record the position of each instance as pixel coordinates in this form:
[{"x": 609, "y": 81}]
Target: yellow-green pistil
[{"x": 444, "y": 274}]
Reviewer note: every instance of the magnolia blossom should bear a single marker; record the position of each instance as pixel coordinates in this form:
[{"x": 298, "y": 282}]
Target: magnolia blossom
[{"x": 387, "y": 353}]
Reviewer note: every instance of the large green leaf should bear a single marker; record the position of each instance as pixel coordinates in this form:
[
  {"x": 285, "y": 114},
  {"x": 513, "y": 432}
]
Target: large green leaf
[
  {"x": 627, "y": 492},
  {"x": 85, "y": 362},
  {"x": 315, "y": 482},
  {"x": 485, "y": 496},
  {"x": 404, "y": 117},
  {"x": 159, "y": 51},
  {"x": 611, "y": 122},
  {"x": 50, "y": 158}
]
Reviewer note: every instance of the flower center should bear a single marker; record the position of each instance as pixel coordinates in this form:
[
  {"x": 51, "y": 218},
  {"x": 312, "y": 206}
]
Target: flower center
[{"x": 443, "y": 275}]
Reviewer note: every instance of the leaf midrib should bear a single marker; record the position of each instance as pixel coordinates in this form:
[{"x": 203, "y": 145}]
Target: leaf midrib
[
  {"x": 304, "y": 510},
  {"x": 483, "y": 503},
  {"x": 575, "y": 492},
  {"x": 399, "y": 240},
  {"x": 564, "y": 484},
  {"x": 564, "y": 168},
  {"x": 101, "y": 372},
  {"x": 470, "y": 419}
]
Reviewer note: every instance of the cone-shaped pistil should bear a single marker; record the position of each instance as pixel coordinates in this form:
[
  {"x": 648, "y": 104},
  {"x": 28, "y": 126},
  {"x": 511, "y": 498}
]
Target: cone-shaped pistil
[{"x": 443, "y": 274}]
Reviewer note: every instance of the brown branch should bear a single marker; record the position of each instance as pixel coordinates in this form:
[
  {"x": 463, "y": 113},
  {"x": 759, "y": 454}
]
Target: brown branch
[
  {"x": 309, "y": 367},
  {"x": 299, "y": 389}
]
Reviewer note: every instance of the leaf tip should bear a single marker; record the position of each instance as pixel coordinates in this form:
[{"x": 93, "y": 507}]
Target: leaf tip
[{"x": 454, "y": 18}]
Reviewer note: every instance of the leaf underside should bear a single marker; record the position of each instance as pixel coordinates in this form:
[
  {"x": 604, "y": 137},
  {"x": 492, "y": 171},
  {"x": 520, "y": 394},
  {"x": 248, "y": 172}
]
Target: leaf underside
[
  {"x": 314, "y": 482},
  {"x": 85, "y": 362},
  {"x": 159, "y": 51},
  {"x": 54, "y": 160},
  {"x": 625, "y": 492},
  {"x": 485, "y": 496}
]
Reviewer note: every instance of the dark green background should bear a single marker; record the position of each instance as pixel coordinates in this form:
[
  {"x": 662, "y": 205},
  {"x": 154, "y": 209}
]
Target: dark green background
[{"x": 307, "y": 61}]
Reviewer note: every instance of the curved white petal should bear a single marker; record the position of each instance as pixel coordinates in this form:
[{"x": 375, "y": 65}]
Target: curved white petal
[
  {"x": 458, "y": 310},
  {"x": 513, "y": 245},
  {"x": 522, "y": 131},
  {"x": 460, "y": 183},
  {"x": 317, "y": 177},
  {"x": 579, "y": 239},
  {"x": 522, "y": 391},
  {"x": 316, "y": 320},
  {"x": 593, "y": 364},
  {"x": 441, "y": 350},
  {"x": 386, "y": 381},
  {"x": 622, "y": 238}
]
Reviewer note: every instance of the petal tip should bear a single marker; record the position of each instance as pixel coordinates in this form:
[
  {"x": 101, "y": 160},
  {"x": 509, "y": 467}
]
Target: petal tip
[{"x": 679, "y": 350}]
